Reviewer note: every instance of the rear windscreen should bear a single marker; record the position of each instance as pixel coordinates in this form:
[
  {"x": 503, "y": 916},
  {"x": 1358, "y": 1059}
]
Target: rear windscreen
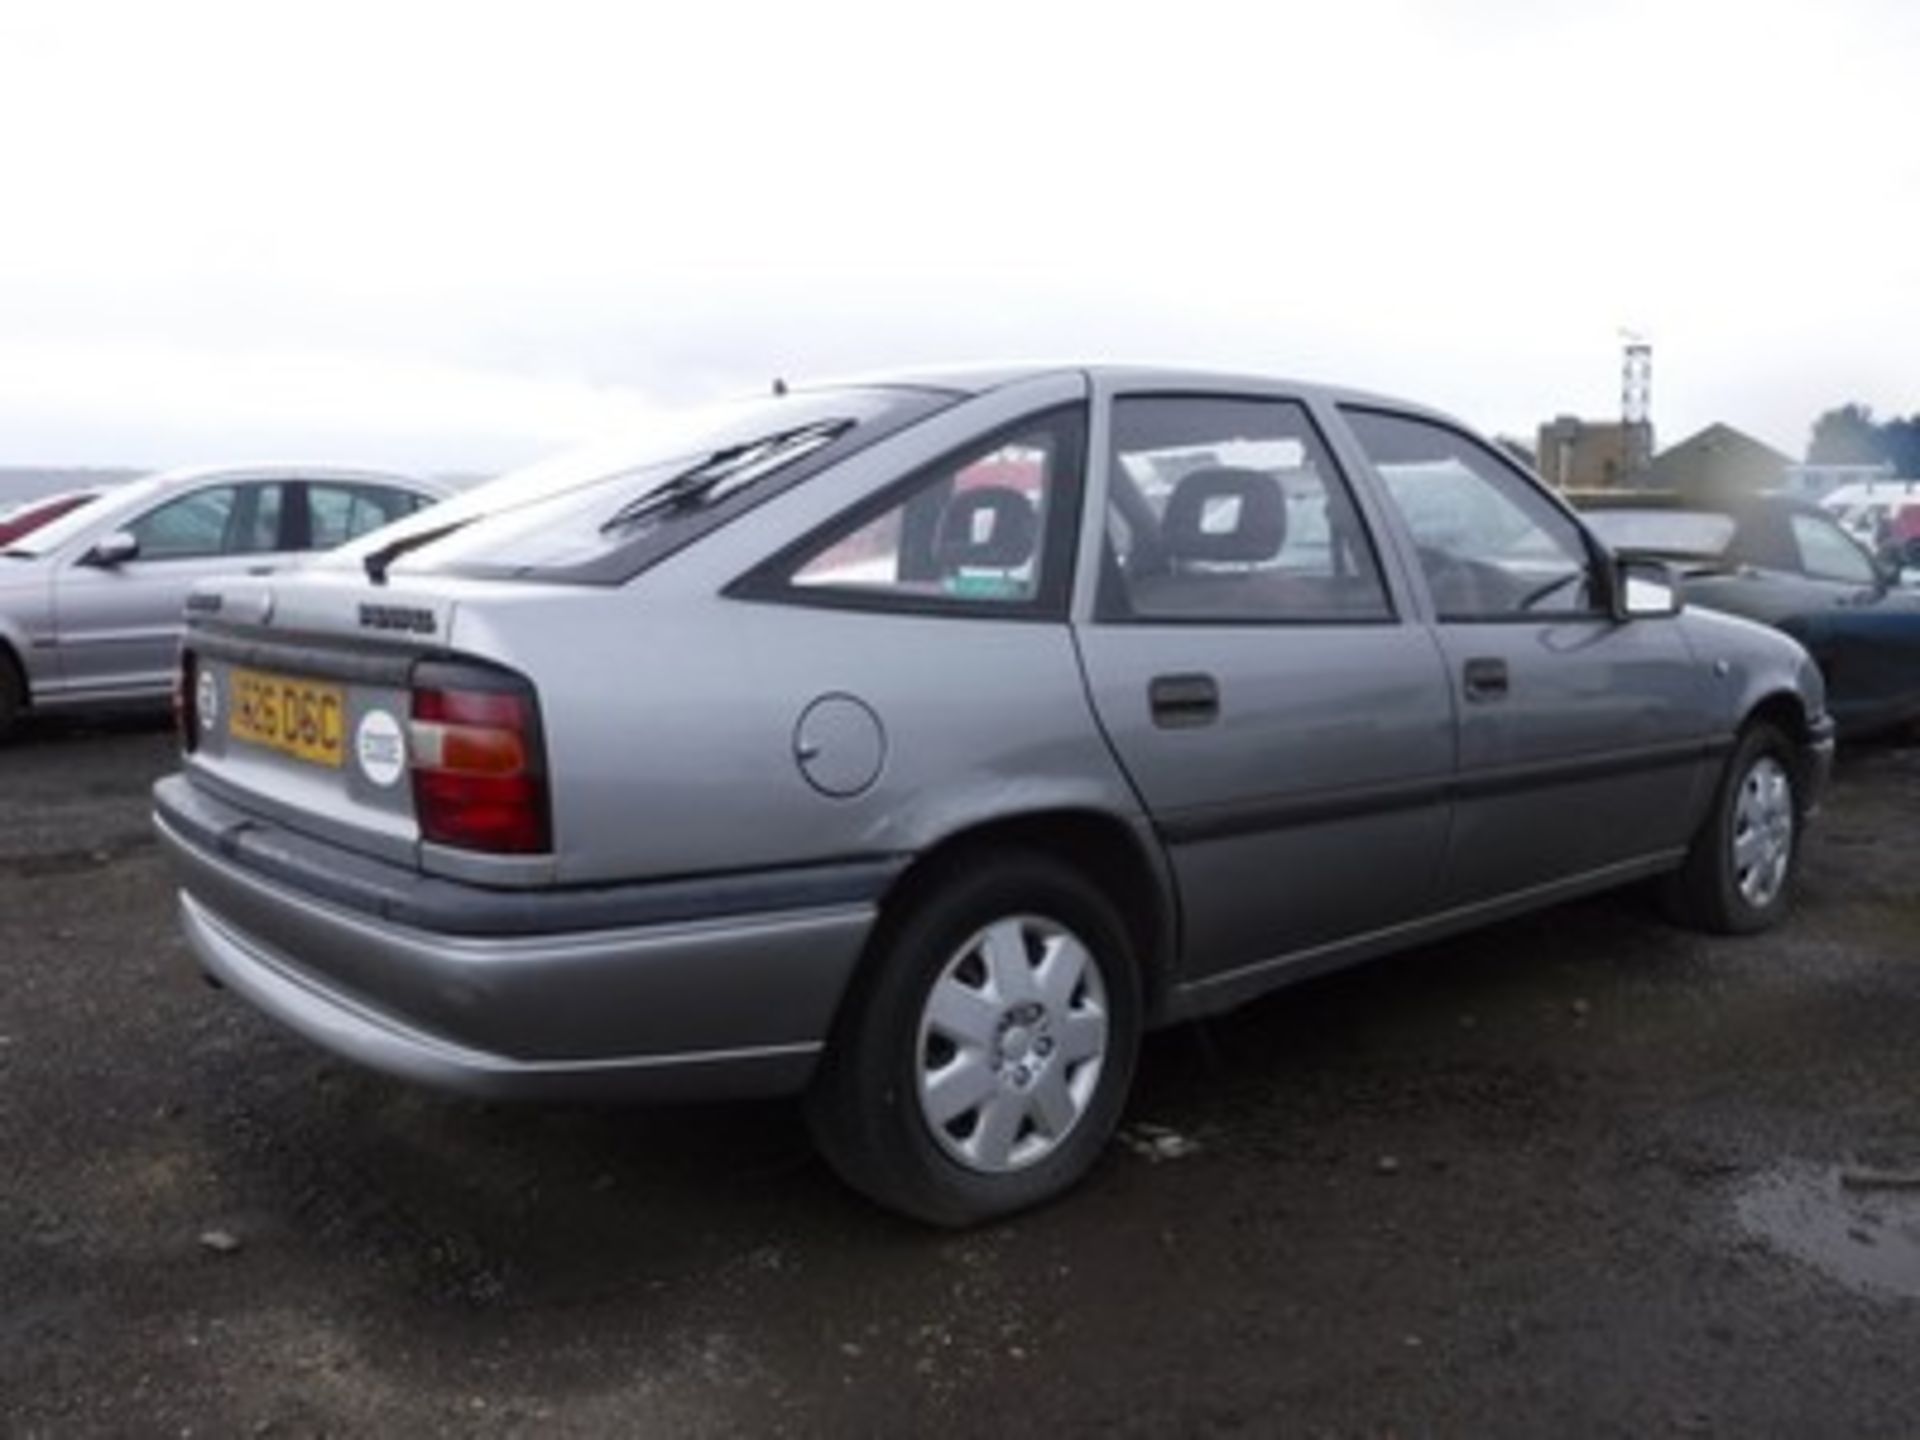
[{"x": 605, "y": 511}]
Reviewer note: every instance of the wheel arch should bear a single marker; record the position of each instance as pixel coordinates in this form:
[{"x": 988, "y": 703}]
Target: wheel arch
[
  {"x": 1785, "y": 711},
  {"x": 1118, "y": 855}
]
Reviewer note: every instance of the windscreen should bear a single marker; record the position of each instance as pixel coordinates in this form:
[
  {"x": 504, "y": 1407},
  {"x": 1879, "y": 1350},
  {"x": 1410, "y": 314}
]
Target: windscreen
[{"x": 123, "y": 499}]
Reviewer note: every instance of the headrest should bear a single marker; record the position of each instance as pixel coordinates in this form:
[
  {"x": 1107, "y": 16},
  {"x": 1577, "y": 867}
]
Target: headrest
[
  {"x": 992, "y": 527},
  {"x": 1225, "y": 514}
]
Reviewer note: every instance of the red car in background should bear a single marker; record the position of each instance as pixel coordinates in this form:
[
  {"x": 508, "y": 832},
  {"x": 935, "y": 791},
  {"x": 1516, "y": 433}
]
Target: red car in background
[{"x": 22, "y": 520}]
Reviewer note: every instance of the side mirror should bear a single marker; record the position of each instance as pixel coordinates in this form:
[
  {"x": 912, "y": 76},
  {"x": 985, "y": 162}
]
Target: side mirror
[
  {"x": 1645, "y": 589},
  {"x": 112, "y": 550}
]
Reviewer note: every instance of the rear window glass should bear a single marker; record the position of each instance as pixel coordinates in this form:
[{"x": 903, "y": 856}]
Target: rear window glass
[
  {"x": 602, "y": 512},
  {"x": 339, "y": 513},
  {"x": 1670, "y": 532}
]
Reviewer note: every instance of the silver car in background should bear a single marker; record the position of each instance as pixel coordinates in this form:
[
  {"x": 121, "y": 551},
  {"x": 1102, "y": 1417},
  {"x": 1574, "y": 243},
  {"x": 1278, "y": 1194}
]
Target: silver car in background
[
  {"x": 92, "y": 604},
  {"x": 916, "y": 744}
]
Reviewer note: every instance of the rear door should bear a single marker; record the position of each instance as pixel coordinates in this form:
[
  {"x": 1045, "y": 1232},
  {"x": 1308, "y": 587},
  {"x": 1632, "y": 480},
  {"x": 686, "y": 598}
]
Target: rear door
[
  {"x": 1284, "y": 720},
  {"x": 334, "y": 512},
  {"x": 1581, "y": 737},
  {"x": 118, "y": 626}
]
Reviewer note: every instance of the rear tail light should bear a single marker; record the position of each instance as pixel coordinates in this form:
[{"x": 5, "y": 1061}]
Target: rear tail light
[
  {"x": 186, "y": 701},
  {"x": 478, "y": 760}
]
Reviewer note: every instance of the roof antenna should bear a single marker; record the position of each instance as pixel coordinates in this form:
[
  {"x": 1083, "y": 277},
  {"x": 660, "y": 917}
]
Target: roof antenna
[{"x": 779, "y": 386}]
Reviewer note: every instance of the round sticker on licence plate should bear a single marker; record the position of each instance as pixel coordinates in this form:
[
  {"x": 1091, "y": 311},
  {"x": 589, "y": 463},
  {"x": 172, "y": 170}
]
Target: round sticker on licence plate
[{"x": 381, "y": 747}]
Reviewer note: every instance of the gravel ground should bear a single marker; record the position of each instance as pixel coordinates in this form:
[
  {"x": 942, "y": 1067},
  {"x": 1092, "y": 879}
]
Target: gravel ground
[{"x": 1582, "y": 1174}]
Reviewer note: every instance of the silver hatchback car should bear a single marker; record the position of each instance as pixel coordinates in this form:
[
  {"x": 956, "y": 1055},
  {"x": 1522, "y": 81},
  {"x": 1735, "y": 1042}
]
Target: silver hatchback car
[
  {"x": 91, "y": 604},
  {"x": 915, "y": 744}
]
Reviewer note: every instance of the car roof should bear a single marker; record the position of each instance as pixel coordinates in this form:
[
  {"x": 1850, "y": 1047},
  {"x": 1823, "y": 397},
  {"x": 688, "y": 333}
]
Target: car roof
[
  {"x": 1890, "y": 491},
  {"x": 289, "y": 470},
  {"x": 979, "y": 379}
]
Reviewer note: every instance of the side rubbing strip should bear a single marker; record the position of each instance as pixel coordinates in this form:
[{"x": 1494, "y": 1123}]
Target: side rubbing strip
[{"x": 1220, "y": 822}]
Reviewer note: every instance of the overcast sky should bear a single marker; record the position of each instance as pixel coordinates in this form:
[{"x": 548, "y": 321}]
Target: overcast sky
[{"x": 455, "y": 236}]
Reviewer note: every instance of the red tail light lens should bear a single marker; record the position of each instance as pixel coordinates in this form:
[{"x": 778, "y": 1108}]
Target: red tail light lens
[{"x": 477, "y": 761}]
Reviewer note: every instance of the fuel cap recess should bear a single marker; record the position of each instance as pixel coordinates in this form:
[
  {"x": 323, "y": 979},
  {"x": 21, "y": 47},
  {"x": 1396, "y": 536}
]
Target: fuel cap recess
[{"x": 839, "y": 745}]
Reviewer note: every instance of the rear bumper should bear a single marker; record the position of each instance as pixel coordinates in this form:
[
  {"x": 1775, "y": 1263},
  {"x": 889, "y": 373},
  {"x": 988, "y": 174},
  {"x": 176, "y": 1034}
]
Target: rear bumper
[{"x": 692, "y": 1007}]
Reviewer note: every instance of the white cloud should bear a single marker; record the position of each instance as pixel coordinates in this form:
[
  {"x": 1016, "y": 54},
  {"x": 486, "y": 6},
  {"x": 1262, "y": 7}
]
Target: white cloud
[
  {"x": 186, "y": 404},
  {"x": 504, "y": 215}
]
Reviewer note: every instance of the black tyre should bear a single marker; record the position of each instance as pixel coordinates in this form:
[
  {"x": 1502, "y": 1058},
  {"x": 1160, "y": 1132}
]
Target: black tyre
[
  {"x": 1738, "y": 875},
  {"x": 13, "y": 695},
  {"x": 983, "y": 1059}
]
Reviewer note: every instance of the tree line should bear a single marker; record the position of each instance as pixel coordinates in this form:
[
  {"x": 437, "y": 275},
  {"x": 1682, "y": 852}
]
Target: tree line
[{"x": 1851, "y": 436}]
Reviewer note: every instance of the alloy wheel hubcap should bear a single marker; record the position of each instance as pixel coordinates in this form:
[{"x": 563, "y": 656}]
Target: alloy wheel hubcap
[
  {"x": 1012, "y": 1041},
  {"x": 1763, "y": 825}
]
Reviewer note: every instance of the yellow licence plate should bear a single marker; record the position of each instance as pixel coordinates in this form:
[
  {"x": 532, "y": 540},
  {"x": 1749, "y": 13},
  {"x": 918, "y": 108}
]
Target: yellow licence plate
[{"x": 296, "y": 717}]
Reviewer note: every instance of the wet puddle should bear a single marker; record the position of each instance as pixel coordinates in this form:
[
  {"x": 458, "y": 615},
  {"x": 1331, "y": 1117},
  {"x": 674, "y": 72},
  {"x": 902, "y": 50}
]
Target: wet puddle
[{"x": 1858, "y": 1227}]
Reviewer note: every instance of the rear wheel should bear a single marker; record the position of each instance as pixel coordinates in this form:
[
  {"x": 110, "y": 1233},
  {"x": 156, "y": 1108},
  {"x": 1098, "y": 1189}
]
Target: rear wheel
[
  {"x": 1738, "y": 874},
  {"x": 983, "y": 1062}
]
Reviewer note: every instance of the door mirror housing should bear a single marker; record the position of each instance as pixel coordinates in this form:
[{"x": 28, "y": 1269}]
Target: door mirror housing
[
  {"x": 112, "y": 550},
  {"x": 1645, "y": 589}
]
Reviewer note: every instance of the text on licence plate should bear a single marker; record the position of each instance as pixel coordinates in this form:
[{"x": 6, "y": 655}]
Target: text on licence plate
[{"x": 297, "y": 717}]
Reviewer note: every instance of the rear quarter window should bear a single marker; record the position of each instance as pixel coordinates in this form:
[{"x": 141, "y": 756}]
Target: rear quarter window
[{"x": 986, "y": 530}]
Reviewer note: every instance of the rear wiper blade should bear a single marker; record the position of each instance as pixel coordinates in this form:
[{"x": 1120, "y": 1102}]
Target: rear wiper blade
[
  {"x": 732, "y": 467},
  {"x": 681, "y": 491},
  {"x": 377, "y": 561}
]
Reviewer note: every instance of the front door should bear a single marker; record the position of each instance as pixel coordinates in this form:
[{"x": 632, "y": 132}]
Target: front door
[
  {"x": 1581, "y": 736},
  {"x": 1287, "y": 726},
  {"x": 118, "y": 626}
]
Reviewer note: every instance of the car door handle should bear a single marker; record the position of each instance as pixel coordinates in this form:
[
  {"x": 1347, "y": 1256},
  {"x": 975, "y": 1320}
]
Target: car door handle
[
  {"x": 1485, "y": 679},
  {"x": 1180, "y": 702}
]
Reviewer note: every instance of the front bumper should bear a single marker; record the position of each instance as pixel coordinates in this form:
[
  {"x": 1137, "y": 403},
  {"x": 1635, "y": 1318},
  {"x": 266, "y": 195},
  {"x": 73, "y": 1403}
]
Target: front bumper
[
  {"x": 1817, "y": 764},
  {"x": 690, "y": 1007}
]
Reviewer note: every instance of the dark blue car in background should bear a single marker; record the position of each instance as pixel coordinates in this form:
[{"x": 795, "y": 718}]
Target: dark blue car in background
[{"x": 1789, "y": 564}]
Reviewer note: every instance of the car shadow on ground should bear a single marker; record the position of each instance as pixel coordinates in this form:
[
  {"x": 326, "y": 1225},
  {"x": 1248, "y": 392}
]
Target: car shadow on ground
[
  {"x": 467, "y": 1204},
  {"x": 55, "y": 728}
]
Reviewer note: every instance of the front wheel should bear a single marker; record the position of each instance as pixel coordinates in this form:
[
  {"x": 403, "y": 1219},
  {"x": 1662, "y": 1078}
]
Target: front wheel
[
  {"x": 13, "y": 695},
  {"x": 1738, "y": 874},
  {"x": 986, "y": 1054}
]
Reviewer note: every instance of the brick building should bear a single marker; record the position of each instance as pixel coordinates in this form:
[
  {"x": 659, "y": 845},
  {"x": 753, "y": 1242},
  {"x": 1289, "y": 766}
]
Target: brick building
[{"x": 1577, "y": 454}]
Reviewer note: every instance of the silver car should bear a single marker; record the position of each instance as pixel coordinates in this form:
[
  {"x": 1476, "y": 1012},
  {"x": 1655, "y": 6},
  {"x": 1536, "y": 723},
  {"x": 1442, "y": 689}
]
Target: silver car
[
  {"x": 915, "y": 744},
  {"x": 91, "y": 604}
]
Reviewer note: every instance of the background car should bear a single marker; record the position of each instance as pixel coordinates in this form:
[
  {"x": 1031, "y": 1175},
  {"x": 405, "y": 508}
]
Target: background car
[
  {"x": 19, "y": 521},
  {"x": 1790, "y": 564},
  {"x": 1883, "y": 515},
  {"x": 91, "y": 603},
  {"x": 916, "y": 744}
]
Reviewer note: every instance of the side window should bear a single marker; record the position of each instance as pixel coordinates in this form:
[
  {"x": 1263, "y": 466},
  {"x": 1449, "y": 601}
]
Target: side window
[
  {"x": 1827, "y": 554},
  {"x": 192, "y": 526},
  {"x": 988, "y": 528},
  {"x": 257, "y": 527},
  {"x": 339, "y": 513},
  {"x": 1491, "y": 545},
  {"x": 1231, "y": 510}
]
